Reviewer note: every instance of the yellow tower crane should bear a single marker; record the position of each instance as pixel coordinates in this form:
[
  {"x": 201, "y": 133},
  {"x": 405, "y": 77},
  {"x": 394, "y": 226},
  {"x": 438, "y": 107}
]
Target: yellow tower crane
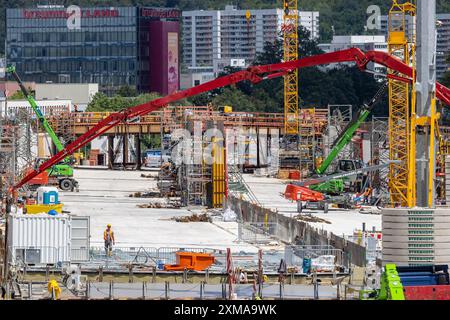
[
  {"x": 402, "y": 180},
  {"x": 290, "y": 45}
]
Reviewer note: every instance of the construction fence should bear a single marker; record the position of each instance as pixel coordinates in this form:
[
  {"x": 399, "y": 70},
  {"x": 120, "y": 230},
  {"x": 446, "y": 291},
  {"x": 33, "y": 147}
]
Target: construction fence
[{"x": 290, "y": 230}]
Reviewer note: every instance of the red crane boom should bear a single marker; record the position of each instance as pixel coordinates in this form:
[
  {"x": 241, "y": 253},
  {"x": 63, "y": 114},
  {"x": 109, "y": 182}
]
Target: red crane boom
[{"x": 254, "y": 74}]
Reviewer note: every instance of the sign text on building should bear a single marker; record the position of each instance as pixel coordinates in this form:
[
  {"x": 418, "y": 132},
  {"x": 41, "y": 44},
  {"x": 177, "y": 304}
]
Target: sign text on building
[{"x": 52, "y": 14}]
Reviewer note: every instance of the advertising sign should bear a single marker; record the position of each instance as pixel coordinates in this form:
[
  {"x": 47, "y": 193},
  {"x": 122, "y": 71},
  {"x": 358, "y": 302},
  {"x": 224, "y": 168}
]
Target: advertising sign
[{"x": 172, "y": 63}]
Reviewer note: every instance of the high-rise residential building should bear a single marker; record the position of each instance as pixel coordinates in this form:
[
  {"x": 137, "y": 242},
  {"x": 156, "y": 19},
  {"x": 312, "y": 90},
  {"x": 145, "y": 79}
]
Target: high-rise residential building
[
  {"x": 112, "y": 46},
  {"x": 443, "y": 39},
  {"x": 215, "y": 39}
]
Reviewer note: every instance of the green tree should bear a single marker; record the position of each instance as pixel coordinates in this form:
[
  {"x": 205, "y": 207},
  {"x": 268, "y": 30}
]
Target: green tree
[
  {"x": 18, "y": 95},
  {"x": 127, "y": 91}
]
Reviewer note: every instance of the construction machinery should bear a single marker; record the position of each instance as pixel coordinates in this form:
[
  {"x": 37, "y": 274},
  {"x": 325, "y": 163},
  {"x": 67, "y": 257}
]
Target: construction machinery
[
  {"x": 346, "y": 165},
  {"x": 308, "y": 198},
  {"x": 61, "y": 173},
  {"x": 254, "y": 74},
  {"x": 421, "y": 282},
  {"x": 347, "y": 134}
]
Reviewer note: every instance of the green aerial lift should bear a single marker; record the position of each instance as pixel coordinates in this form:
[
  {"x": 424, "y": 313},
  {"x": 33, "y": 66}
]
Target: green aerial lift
[
  {"x": 337, "y": 185},
  {"x": 391, "y": 287},
  {"x": 60, "y": 174}
]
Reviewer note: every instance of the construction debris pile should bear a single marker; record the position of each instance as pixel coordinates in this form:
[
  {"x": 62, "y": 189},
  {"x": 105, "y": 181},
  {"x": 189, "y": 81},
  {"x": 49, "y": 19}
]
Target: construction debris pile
[
  {"x": 311, "y": 218},
  {"x": 194, "y": 218}
]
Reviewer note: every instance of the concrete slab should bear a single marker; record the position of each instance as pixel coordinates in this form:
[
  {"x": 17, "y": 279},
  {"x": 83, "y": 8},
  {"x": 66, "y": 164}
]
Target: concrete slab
[
  {"x": 269, "y": 192},
  {"x": 104, "y": 196}
]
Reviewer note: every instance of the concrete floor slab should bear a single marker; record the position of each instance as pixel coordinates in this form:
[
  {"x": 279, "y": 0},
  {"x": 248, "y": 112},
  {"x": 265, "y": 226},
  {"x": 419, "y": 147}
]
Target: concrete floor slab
[
  {"x": 104, "y": 196},
  {"x": 269, "y": 192}
]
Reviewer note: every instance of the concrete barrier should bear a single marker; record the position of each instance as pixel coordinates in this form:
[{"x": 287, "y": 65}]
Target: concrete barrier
[{"x": 290, "y": 230}]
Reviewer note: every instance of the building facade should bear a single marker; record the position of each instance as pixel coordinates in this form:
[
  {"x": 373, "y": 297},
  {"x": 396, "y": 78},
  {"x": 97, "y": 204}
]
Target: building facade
[
  {"x": 443, "y": 39},
  {"x": 213, "y": 40},
  {"x": 114, "y": 47},
  {"x": 81, "y": 94},
  {"x": 363, "y": 42}
]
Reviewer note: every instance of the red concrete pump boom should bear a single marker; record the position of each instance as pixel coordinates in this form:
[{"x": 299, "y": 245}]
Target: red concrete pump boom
[{"x": 254, "y": 74}]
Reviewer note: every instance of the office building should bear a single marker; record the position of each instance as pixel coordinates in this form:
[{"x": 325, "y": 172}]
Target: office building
[{"x": 114, "y": 47}]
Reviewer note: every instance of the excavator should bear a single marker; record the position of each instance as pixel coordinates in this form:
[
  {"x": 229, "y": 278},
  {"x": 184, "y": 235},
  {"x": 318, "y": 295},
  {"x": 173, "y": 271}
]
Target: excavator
[
  {"x": 61, "y": 173},
  {"x": 254, "y": 74}
]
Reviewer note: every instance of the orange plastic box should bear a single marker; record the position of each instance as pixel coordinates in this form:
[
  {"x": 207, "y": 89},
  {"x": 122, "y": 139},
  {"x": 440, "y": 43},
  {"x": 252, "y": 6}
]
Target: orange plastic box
[{"x": 191, "y": 261}]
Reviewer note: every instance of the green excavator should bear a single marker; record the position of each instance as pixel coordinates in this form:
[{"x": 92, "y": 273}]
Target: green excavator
[{"x": 60, "y": 174}]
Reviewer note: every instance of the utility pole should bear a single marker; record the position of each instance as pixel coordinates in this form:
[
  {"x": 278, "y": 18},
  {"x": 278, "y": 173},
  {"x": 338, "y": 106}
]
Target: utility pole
[{"x": 425, "y": 120}]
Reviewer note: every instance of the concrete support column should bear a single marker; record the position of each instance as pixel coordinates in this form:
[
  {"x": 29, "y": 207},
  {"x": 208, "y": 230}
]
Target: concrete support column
[
  {"x": 125, "y": 150},
  {"x": 110, "y": 152},
  {"x": 425, "y": 94},
  {"x": 138, "y": 152}
]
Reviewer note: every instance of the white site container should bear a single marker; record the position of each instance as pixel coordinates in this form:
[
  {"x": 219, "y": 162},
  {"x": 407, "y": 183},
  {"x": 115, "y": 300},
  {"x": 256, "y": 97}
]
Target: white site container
[{"x": 39, "y": 239}]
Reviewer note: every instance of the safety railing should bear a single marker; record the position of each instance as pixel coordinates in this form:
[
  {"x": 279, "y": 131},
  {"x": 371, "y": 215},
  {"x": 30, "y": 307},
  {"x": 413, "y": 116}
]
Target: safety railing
[
  {"x": 295, "y": 255},
  {"x": 256, "y": 233}
]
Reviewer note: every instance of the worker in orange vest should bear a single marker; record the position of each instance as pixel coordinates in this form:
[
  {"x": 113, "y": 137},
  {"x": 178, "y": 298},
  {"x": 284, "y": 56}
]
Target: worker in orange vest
[
  {"x": 108, "y": 236},
  {"x": 367, "y": 194}
]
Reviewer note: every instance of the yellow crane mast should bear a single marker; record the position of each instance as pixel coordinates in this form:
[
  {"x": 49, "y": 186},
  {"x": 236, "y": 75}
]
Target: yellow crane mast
[
  {"x": 290, "y": 41},
  {"x": 401, "y": 108}
]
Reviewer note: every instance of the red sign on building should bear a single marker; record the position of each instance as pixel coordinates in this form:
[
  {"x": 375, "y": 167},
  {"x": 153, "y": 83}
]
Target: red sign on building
[
  {"x": 62, "y": 14},
  {"x": 157, "y": 13}
]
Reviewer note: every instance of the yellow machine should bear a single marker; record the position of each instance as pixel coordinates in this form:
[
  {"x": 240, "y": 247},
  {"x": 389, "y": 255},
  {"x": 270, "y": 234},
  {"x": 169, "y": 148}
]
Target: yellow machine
[
  {"x": 401, "y": 110},
  {"x": 290, "y": 39}
]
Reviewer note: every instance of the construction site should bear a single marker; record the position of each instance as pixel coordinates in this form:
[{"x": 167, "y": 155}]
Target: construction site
[{"x": 323, "y": 203}]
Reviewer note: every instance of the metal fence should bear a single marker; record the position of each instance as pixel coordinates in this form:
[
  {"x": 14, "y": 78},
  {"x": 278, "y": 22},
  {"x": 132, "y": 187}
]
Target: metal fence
[
  {"x": 257, "y": 233},
  {"x": 148, "y": 258},
  {"x": 294, "y": 255}
]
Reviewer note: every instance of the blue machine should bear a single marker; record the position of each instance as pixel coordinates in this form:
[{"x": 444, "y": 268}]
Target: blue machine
[{"x": 432, "y": 275}]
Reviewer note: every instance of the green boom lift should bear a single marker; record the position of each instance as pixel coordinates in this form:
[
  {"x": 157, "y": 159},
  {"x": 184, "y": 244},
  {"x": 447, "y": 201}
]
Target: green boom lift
[
  {"x": 336, "y": 186},
  {"x": 62, "y": 173},
  {"x": 391, "y": 287}
]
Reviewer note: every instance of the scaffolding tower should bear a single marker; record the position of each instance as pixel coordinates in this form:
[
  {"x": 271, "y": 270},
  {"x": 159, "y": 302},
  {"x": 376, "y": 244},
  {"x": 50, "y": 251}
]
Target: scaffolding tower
[
  {"x": 401, "y": 181},
  {"x": 379, "y": 142}
]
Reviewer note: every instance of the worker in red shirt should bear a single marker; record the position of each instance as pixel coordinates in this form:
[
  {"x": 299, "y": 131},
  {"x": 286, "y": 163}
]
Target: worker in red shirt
[{"x": 108, "y": 236}]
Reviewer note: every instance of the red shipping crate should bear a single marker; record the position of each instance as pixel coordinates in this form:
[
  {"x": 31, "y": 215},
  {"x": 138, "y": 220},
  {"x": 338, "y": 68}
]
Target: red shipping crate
[{"x": 427, "y": 292}]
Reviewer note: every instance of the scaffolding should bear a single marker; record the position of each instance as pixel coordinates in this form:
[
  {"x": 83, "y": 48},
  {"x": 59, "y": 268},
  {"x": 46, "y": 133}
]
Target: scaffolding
[
  {"x": 401, "y": 184},
  {"x": 290, "y": 45},
  {"x": 339, "y": 116},
  {"x": 307, "y": 141},
  {"x": 379, "y": 142}
]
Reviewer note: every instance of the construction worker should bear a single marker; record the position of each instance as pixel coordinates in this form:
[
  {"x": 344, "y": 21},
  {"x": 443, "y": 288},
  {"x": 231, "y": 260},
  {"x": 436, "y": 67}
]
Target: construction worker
[
  {"x": 367, "y": 194},
  {"x": 108, "y": 236}
]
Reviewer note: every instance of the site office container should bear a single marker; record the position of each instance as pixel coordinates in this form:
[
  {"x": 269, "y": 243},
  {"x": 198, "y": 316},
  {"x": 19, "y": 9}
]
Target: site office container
[{"x": 42, "y": 239}]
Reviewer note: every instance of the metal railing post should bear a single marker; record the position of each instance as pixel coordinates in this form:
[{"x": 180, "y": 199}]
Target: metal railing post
[
  {"x": 224, "y": 291},
  {"x": 144, "y": 287},
  {"x": 30, "y": 290},
  {"x": 100, "y": 274},
  {"x": 88, "y": 289},
  {"x": 167, "y": 289},
  {"x": 201, "y": 290},
  {"x": 111, "y": 290},
  {"x": 281, "y": 290},
  {"x": 130, "y": 273}
]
